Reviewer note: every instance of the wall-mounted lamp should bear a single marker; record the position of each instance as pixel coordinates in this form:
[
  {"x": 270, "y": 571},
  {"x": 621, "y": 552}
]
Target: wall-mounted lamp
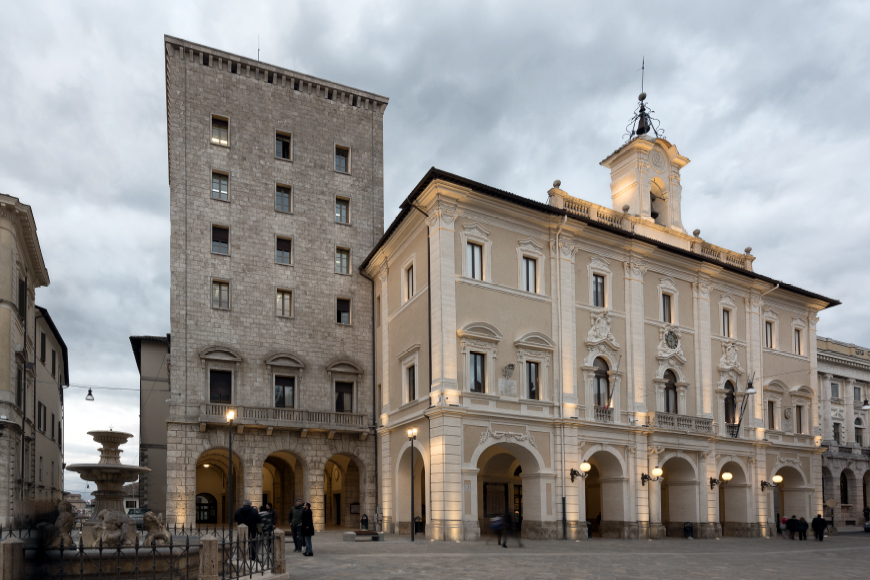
[
  {"x": 866, "y": 406},
  {"x": 777, "y": 479},
  {"x": 723, "y": 479},
  {"x": 585, "y": 467},
  {"x": 656, "y": 475}
]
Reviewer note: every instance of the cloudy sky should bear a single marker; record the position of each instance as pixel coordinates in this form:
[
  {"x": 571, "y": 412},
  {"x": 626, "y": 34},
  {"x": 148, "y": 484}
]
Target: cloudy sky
[{"x": 768, "y": 99}]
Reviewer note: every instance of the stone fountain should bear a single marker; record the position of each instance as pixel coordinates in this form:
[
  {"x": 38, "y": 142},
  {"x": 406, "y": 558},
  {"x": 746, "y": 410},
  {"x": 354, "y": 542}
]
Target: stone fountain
[{"x": 109, "y": 475}]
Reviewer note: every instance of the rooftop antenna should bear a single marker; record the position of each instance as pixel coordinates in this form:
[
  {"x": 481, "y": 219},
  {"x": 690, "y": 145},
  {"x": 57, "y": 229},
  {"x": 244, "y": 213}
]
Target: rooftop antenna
[
  {"x": 642, "y": 67},
  {"x": 258, "y": 53}
]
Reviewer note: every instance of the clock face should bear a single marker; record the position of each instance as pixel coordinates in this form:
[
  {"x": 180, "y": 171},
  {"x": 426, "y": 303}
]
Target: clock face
[{"x": 671, "y": 340}]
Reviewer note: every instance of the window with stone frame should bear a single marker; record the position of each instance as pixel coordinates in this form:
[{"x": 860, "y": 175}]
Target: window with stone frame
[
  {"x": 42, "y": 346},
  {"x": 284, "y": 251},
  {"x": 220, "y": 186},
  {"x": 601, "y": 383},
  {"x": 342, "y": 310},
  {"x": 799, "y": 419},
  {"x": 477, "y": 372},
  {"x": 342, "y": 261},
  {"x": 283, "y": 198},
  {"x": 220, "y": 294},
  {"x": 530, "y": 275},
  {"x": 220, "y": 130},
  {"x": 835, "y": 390},
  {"x": 771, "y": 415},
  {"x": 667, "y": 312},
  {"x": 798, "y": 341},
  {"x": 475, "y": 260},
  {"x": 598, "y": 291},
  {"x": 342, "y": 159},
  {"x": 285, "y": 392},
  {"x": 342, "y": 210},
  {"x": 220, "y": 240},
  {"x": 670, "y": 393},
  {"x": 533, "y": 380},
  {"x": 730, "y": 404},
  {"x": 284, "y": 303},
  {"x": 411, "y": 382},
  {"x": 343, "y": 397},
  {"x": 769, "y": 334},
  {"x": 837, "y": 432},
  {"x": 283, "y": 145},
  {"x": 220, "y": 386},
  {"x": 726, "y": 323},
  {"x": 859, "y": 433}
]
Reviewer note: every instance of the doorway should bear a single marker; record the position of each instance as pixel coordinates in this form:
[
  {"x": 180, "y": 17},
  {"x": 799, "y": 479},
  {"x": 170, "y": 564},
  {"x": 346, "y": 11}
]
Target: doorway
[{"x": 336, "y": 508}]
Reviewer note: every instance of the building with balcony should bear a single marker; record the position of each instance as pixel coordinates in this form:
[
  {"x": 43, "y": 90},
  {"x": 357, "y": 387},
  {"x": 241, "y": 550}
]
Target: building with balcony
[
  {"x": 276, "y": 196},
  {"x": 844, "y": 380},
  {"x": 569, "y": 362}
]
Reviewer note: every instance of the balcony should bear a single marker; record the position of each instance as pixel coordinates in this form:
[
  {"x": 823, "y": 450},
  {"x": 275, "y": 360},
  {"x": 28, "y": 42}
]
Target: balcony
[
  {"x": 282, "y": 418},
  {"x": 681, "y": 423},
  {"x": 733, "y": 429},
  {"x": 603, "y": 414}
]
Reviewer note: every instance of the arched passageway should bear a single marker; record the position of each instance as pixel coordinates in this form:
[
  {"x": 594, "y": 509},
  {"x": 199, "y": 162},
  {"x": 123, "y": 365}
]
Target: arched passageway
[
  {"x": 284, "y": 479},
  {"x": 605, "y": 495},
  {"x": 342, "y": 489},
  {"x": 403, "y": 492},
  {"x": 791, "y": 497},
  {"x": 679, "y": 495},
  {"x": 212, "y": 486},
  {"x": 734, "y": 501}
]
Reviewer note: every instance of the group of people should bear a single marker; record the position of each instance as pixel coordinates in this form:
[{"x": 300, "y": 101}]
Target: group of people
[
  {"x": 263, "y": 522},
  {"x": 794, "y": 525}
]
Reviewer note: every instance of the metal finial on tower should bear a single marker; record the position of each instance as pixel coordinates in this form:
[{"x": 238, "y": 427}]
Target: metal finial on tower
[{"x": 641, "y": 122}]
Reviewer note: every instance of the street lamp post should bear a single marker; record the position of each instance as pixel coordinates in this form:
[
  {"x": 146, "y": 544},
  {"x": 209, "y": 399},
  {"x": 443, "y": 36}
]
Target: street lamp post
[
  {"x": 412, "y": 437},
  {"x": 230, "y": 416}
]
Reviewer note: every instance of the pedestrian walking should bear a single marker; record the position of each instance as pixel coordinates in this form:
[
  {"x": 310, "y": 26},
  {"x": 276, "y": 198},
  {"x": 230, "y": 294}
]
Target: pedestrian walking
[
  {"x": 791, "y": 525},
  {"x": 511, "y": 527},
  {"x": 307, "y": 529},
  {"x": 819, "y": 526},
  {"x": 273, "y": 515},
  {"x": 249, "y": 516},
  {"x": 802, "y": 528},
  {"x": 295, "y": 519},
  {"x": 783, "y": 528},
  {"x": 496, "y": 524}
]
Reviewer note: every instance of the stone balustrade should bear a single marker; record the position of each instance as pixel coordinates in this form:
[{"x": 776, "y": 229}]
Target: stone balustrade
[
  {"x": 681, "y": 423},
  {"x": 284, "y": 418},
  {"x": 603, "y": 414}
]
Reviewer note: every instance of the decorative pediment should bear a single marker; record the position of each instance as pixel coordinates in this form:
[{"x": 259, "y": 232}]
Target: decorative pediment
[
  {"x": 799, "y": 322},
  {"x": 770, "y": 314},
  {"x": 727, "y": 301},
  {"x": 531, "y": 246},
  {"x": 286, "y": 360},
  {"x": 599, "y": 331},
  {"x": 480, "y": 331},
  {"x": 475, "y": 231},
  {"x": 221, "y": 353},
  {"x": 667, "y": 283},
  {"x": 728, "y": 361},
  {"x": 802, "y": 391},
  {"x": 600, "y": 263},
  {"x": 535, "y": 340},
  {"x": 344, "y": 366},
  {"x": 408, "y": 351}
]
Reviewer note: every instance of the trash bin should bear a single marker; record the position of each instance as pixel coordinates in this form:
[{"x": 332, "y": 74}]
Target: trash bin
[
  {"x": 688, "y": 530},
  {"x": 418, "y": 525},
  {"x": 364, "y": 522}
]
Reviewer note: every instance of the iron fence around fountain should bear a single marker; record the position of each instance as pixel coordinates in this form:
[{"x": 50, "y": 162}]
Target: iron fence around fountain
[
  {"x": 174, "y": 561},
  {"x": 247, "y": 557}
]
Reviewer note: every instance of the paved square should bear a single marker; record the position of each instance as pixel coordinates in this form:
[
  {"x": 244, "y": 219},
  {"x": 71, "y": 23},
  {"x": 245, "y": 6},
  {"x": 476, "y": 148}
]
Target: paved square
[{"x": 842, "y": 557}]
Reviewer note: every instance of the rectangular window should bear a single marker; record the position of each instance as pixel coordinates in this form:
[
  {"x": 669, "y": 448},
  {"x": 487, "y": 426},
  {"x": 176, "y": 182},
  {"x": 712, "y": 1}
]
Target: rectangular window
[
  {"x": 283, "y": 250},
  {"x": 283, "y": 145},
  {"x": 52, "y": 474},
  {"x": 771, "y": 415},
  {"x": 478, "y": 372},
  {"x": 409, "y": 283},
  {"x": 798, "y": 347},
  {"x": 342, "y": 261},
  {"x": 342, "y": 210},
  {"x": 726, "y": 323},
  {"x": 220, "y": 186},
  {"x": 533, "y": 376},
  {"x": 19, "y": 387},
  {"x": 768, "y": 334},
  {"x": 220, "y": 131},
  {"x": 475, "y": 261},
  {"x": 598, "y": 290},
  {"x": 859, "y": 436},
  {"x": 378, "y": 312},
  {"x": 284, "y": 392},
  {"x": 343, "y": 311},
  {"x": 59, "y": 435},
  {"x": 343, "y": 397},
  {"x": 412, "y": 382},
  {"x": 835, "y": 390},
  {"x": 285, "y": 303},
  {"x": 40, "y": 469},
  {"x": 131, "y": 503},
  {"x": 837, "y": 432},
  {"x": 282, "y": 199},
  {"x": 53, "y": 362},
  {"x": 52, "y": 426},
  {"x": 342, "y": 159},
  {"x": 666, "y": 308},
  {"x": 220, "y": 294},
  {"x": 530, "y": 274},
  {"x": 42, "y": 346},
  {"x": 40, "y": 417},
  {"x": 22, "y": 299},
  {"x": 799, "y": 419},
  {"x": 220, "y": 240},
  {"x": 857, "y": 394},
  {"x": 220, "y": 386}
]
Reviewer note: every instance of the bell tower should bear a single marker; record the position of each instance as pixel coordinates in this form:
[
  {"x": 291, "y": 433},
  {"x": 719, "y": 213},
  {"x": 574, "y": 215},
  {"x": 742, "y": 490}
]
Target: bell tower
[{"x": 645, "y": 172}]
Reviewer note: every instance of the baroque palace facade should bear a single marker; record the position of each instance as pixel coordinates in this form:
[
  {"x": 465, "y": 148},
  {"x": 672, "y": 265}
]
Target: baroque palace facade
[{"x": 570, "y": 363}]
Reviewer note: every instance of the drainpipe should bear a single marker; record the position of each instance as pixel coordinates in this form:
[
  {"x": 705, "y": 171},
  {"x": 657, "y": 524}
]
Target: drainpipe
[
  {"x": 561, "y": 387},
  {"x": 374, "y": 397}
]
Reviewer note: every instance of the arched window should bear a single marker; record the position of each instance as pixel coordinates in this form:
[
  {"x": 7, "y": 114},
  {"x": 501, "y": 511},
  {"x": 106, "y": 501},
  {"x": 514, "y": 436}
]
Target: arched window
[
  {"x": 844, "y": 489},
  {"x": 601, "y": 383},
  {"x": 730, "y": 404},
  {"x": 671, "y": 392},
  {"x": 206, "y": 509}
]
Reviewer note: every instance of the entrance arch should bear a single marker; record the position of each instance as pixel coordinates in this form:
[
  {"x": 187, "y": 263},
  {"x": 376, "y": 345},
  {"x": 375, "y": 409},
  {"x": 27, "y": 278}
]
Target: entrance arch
[
  {"x": 285, "y": 477},
  {"x": 793, "y": 497},
  {"x": 735, "y": 516},
  {"x": 212, "y": 472},
  {"x": 402, "y": 495},
  {"x": 605, "y": 494},
  {"x": 343, "y": 489},
  {"x": 679, "y": 495}
]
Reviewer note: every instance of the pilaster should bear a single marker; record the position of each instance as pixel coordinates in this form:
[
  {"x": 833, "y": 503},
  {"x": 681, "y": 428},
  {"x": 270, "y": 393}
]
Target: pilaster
[
  {"x": 445, "y": 459},
  {"x": 443, "y": 288},
  {"x": 634, "y": 271},
  {"x": 568, "y": 324},
  {"x": 754, "y": 361},
  {"x": 703, "y": 342}
]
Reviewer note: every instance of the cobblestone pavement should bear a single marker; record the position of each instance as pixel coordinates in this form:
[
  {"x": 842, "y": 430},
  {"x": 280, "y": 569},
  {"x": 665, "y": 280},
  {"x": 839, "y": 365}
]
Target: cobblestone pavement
[{"x": 840, "y": 557}]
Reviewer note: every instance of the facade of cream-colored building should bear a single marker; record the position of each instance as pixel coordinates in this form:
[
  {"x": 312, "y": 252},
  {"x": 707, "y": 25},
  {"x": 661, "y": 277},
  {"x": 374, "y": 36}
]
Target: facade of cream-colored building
[
  {"x": 523, "y": 340},
  {"x": 844, "y": 380}
]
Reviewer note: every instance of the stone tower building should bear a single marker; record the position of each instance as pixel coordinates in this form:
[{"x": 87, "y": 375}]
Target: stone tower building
[{"x": 276, "y": 186}]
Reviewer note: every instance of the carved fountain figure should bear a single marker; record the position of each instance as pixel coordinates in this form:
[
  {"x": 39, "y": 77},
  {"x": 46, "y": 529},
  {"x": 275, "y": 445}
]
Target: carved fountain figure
[{"x": 111, "y": 523}]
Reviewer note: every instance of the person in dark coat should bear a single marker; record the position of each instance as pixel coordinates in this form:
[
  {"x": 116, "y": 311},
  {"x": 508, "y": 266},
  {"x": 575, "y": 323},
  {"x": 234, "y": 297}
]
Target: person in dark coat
[
  {"x": 819, "y": 526},
  {"x": 307, "y": 529},
  {"x": 802, "y": 528},
  {"x": 511, "y": 527},
  {"x": 250, "y": 517},
  {"x": 296, "y": 524},
  {"x": 791, "y": 525},
  {"x": 272, "y": 513}
]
